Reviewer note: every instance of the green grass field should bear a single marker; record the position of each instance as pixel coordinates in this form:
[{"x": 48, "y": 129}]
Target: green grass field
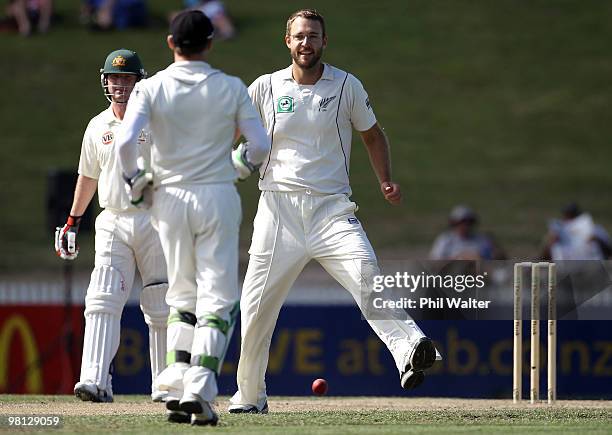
[
  {"x": 330, "y": 415},
  {"x": 502, "y": 105}
]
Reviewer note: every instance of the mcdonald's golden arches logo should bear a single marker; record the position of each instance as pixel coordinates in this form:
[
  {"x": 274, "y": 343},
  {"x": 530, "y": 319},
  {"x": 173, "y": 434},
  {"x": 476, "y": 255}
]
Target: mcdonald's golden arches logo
[{"x": 17, "y": 324}]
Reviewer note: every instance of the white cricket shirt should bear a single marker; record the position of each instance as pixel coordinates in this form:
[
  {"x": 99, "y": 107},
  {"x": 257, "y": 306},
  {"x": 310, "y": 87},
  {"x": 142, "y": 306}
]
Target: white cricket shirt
[
  {"x": 193, "y": 111},
  {"x": 311, "y": 128},
  {"x": 99, "y": 159}
]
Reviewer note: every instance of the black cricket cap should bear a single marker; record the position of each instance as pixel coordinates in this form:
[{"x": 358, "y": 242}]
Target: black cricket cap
[{"x": 191, "y": 28}]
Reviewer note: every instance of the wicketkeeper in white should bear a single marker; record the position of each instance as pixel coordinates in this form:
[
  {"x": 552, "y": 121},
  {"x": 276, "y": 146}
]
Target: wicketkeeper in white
[
  {"x": 194, "y": 113},
  {"x": 125, "y": 239},
  {"x": 304, "y": 213}
]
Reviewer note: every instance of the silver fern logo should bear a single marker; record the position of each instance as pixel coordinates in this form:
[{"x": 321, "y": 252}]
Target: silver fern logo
[{"x": 325, "y": 102}]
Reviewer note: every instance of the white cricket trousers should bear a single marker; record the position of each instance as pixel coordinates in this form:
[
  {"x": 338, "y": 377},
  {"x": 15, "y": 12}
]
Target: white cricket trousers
[
  {"x": 290, "y": 229},
  {"x": 124, "y": 241},
  {"x": 198, "y": 228}
]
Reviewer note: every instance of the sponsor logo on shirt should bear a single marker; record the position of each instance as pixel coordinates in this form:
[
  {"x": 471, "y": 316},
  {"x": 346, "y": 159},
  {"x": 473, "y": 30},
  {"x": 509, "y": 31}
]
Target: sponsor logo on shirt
[
  {"x": 285, "y": 105},
  {"x": 108, "y": 138},
  {"x": 142, "y": 137},
  {"x": 367, "y": 103},
  {"x": 353, "y": 220},
  {"x": 325, "y": 102}
]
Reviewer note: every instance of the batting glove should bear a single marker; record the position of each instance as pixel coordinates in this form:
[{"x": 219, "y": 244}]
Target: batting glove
[
  {"x": 241, "y": 162},
  {"x": 65, "y": 239},
  {"x": 140, "y": 189}
]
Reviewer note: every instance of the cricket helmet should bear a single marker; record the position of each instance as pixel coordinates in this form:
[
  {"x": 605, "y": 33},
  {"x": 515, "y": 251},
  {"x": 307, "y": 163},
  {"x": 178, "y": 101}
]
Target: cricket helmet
[{"x": 121, "y": 61}]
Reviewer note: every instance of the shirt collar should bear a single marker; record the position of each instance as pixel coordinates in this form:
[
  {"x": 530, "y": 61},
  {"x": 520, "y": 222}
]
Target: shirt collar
[
  {"x": 108, "y": 116},
  {"x": 328, "y": 73},
  {"x": 193, "y": 64}
]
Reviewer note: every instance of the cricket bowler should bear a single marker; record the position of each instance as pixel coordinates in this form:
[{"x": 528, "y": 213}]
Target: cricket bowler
[{"x": 309, "y": 110}]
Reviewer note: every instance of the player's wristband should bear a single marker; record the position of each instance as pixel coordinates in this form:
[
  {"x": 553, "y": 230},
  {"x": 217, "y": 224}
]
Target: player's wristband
[{"x": 73, "y": 221}]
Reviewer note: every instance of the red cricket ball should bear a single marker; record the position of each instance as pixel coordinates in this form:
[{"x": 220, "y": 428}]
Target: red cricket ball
[{"x": 319, "y": 387}]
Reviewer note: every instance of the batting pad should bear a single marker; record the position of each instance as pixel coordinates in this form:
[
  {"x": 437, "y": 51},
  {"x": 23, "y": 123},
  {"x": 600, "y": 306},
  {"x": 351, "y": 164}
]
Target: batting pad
[
  {"x": 100, "y": 345},
  {"x": 155, "y": 310},
  {"x": 106, "y": 292},
  {"x": 106, "y": 297},
  {"x": 153, "y": 305}
]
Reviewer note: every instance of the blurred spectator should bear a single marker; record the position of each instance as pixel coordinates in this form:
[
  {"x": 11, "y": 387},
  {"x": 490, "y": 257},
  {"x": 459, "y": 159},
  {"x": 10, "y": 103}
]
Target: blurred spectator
[
  {"x": 215, "y": 11},
  {"x": 114, "y": 14},
  {"x": 576, "y": 237},
  {"x": 462, "y": 241},
  {"x": 24, "y": 15}
]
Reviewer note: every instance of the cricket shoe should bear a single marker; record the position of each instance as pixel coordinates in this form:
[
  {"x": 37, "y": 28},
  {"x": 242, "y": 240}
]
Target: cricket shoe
[
  {"x": 248, "y": 409},
  {"x": 177, "y": 417},
  {"x": 170, "y": 382},
  {"x": 159, "y": 396},
  {"x": 201, "y": 412},
  {"x": 89, "y": 392},
  {"x": 421, "y": 357},
  {"x": 173, "y": 409},
  {"x": 411, "y": 379}
]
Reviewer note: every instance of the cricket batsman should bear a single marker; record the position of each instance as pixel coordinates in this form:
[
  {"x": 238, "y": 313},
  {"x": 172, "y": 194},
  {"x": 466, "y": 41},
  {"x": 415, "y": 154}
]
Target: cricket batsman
[
  {"x": 310, "y": 109},
  {"x": 125, "y": 240}
]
